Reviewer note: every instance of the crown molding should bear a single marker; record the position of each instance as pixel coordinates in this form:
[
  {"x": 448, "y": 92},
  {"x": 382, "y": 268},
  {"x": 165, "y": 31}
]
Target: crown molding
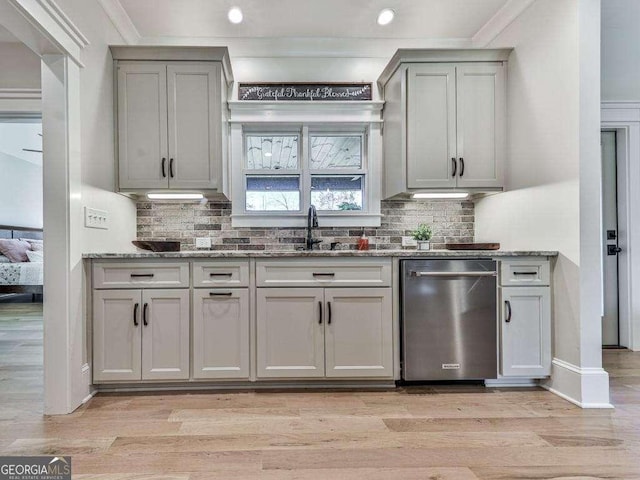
[
  {"x": 501, "y": 20},
  {"x": 121, "y": 20},
  {"x": 19, "y": 102},
  {"x": 44, "y": 27},
  {"x": 63, "y": 21}
]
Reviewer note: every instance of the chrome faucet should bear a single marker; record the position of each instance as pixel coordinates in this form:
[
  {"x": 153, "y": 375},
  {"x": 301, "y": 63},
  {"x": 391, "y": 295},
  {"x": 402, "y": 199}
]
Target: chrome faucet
[{"x": 312, "y": 222}]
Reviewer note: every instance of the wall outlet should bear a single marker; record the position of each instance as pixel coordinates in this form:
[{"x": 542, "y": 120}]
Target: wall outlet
[
  {"x": 409, "y": 242},
  {"x": 94, "y": 218},
  {"x": 203, "y": 242}
]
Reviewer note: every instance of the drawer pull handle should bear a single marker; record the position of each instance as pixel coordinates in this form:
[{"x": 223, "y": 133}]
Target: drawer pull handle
[
  {"x": 329, "y": 312},
  {"x": 140, "y": 275},
  {"x": 321, "y": 274},
  {"x": 135, "y": 314},
  {"x": 452, "y": 274},
  {"x": 145, "y": 322},
  {"x": 220, "y": 294},
  {"x": 320, "y": 315},
  {"x": 171, "y": 167},
  {"x": 454, "y": 167},
  {"x": 164, "y": 170},
  {"x": 215, "y": 274},
  {"x": 525, "y": 273},
  {"x": 508, "y": 305},
  {"x": 461, "y": 166}
]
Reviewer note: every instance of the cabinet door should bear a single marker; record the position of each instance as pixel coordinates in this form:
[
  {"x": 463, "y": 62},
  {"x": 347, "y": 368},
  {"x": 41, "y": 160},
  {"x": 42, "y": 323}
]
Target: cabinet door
[
  {"x": 117, "y": 325},
  {"x": 193, "y": 125},
  {"x": 290, "y": 332},
  {"x": 480, "y": 125},
  {"x": 221, "y": 333},
  {"x": 525, "y": 331},
  {"x": 358, "y": 332},
  {"x": 431, "y": 126},
  {"x": 165, "y": 334},
  {"x": 142, "y": 125}
]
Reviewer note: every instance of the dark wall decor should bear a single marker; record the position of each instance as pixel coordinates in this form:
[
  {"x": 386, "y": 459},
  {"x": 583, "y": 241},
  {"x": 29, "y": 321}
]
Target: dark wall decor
[{"x": 304, "y": 91}]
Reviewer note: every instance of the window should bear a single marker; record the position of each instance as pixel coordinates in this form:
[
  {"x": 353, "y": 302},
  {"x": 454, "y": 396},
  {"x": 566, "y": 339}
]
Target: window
[
  {"x": 287, "y": 157},
  {"x": 279, "y": 177}
]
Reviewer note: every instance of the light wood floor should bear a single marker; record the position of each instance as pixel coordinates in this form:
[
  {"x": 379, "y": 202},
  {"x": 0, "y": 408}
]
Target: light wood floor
[{"x": 440, "y": 433}]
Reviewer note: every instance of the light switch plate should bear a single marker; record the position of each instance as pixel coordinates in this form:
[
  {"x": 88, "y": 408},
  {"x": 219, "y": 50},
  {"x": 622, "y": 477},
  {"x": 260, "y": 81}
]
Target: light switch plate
[
  {"x": 94, "y": 218},
  {"x": 409, "y": 242},
  {"x": 203, "y": 242}
]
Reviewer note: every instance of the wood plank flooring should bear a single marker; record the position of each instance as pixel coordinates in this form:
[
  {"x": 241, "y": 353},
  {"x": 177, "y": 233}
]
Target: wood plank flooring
[{"x": 440, "y": 432}]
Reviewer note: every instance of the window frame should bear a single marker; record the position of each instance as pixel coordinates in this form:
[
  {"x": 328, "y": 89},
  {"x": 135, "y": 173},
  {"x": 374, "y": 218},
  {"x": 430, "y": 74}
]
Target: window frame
[{"x": 321, "y": 118}]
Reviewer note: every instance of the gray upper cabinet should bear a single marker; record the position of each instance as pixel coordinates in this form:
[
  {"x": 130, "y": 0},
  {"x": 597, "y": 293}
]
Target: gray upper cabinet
[
  {"x": 444, "y": 121},
  {"x": 172, "y": 118}
]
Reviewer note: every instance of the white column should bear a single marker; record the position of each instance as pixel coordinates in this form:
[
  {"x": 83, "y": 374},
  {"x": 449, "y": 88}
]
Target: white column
[{"x": 64, "y": 326}]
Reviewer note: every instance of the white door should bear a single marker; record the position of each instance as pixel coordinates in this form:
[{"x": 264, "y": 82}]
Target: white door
[
  {"x": 610, "y": 318},
  {"x": 290, "y": 332},
  {"x": 525, "y": 327},
  {"x": 142, "y": 125},
  {"x": 481, "y": 139},
  {"x": 165, "y": 334},
  {"x": 117, "y": 326},
  {"x": 358, "y": 332},
  {"x": 431, "y": 126},
  {"x": 221, "y": 333},
  {"x": 193, "y": 125}
]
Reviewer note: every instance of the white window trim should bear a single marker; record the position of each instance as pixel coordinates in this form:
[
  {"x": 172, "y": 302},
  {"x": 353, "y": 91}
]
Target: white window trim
[{"x": 318, "y": 117}]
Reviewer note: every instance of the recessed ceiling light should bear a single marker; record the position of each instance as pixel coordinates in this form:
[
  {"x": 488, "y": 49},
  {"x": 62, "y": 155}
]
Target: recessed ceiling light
[
  {"x": 235, "y": 15},
  {"x": 385, "y": 17},
  {"x": 268, "y": 154},
  {"x": 175, "y": 196},
  {"x": 441, "y": 196}
]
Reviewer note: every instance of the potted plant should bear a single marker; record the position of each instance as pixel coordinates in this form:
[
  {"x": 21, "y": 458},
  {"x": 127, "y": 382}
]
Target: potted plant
[{"x": 422, "y": 234}]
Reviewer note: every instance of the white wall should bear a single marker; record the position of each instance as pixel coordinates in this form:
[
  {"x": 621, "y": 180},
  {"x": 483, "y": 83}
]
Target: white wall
[
  {"x": 20, "y": 192},
  {"x": 620, "y": 50},
  {"x": 552, "y": 125},
  {"x": 20, "y": 66}
]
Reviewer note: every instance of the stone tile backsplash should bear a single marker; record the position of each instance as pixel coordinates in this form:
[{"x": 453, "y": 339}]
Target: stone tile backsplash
[{"x": 452, "y": 221}]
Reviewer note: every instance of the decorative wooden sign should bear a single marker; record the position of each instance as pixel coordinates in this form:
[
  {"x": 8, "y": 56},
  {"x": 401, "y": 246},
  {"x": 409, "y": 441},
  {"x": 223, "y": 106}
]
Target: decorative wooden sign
[{"x": 274, "y": 92}]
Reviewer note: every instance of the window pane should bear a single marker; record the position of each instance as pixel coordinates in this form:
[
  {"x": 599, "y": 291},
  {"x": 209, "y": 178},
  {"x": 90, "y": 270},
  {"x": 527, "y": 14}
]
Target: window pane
[
  {"x": 337, "y": 192},
  {"x": 272, "y": 152},
  {"x": 336, "y": 152},
  {"x": 266, "y": 193}
]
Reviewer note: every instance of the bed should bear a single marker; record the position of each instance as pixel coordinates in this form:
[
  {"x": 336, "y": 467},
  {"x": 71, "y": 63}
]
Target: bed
[{"x": 23, "y": 277}]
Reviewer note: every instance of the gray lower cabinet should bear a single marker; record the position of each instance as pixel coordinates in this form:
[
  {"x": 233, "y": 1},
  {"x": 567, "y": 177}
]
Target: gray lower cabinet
[
  {"x": 324, "y": 332},
  {"x": 221, "y": 333},
  {"x": 141, "y": 335},
  {"x": 525, "y": 330}
]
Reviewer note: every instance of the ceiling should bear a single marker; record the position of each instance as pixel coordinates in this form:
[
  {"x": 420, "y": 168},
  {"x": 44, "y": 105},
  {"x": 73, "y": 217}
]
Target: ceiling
[{"x": 432, "y": 19}]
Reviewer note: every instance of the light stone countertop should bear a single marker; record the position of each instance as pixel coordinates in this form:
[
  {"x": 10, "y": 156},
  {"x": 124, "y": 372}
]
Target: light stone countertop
[{"x": 405, "y": 253}]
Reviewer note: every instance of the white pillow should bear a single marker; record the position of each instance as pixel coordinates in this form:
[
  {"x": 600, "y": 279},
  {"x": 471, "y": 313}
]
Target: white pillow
[
  {"x": 4, "y": 259},
  {"x": 35, "y": 257},
  {"x": 36, "y": 245}
]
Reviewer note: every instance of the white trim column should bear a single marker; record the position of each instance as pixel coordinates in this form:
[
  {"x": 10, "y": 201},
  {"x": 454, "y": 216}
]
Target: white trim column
[{"x": 62, "y": 211}]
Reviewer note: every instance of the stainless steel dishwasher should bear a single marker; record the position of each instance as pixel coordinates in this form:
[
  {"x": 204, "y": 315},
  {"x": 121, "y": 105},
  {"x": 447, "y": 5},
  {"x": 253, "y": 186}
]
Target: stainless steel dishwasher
[{"x": 449, "y": 326}]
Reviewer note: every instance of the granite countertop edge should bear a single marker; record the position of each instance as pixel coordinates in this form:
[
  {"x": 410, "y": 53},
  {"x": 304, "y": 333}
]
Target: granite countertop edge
[{"x": 408, "y": 253}]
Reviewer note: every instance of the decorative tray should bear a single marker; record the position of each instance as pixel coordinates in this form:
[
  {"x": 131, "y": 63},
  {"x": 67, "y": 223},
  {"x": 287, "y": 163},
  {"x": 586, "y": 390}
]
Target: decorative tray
[
  {"x": 472, "y": 246},
  {"x": 157, "y": 246}
]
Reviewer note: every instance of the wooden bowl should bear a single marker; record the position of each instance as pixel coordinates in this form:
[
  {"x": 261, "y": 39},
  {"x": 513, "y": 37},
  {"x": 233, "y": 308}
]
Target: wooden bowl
[{"x": 157, "y": 246}]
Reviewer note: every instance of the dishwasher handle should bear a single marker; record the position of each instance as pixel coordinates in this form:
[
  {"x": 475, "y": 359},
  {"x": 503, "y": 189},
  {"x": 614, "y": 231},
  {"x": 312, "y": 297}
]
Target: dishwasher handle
[{"x": 452, "y": 274}]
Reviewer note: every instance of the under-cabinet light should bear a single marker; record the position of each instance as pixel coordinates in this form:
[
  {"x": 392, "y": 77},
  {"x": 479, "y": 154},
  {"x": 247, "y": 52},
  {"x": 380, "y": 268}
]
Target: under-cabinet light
[
  {"x": 440, "y": 196},
  {"x": 175, "y": 196},
  {"x": 385, "y": 17}
]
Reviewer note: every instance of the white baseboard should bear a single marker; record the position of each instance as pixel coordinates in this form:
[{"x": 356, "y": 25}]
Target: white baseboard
[{"x": 585, "y": 387}]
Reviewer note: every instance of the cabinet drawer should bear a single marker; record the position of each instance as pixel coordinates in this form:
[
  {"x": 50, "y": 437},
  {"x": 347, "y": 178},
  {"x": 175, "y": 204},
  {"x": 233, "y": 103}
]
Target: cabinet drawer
[
  {"x": 365, "y": 272},
  {"x": 137, "y": 275},
  {"x": 220, "y": 274},
  {"x": 524, "y": 272}
]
